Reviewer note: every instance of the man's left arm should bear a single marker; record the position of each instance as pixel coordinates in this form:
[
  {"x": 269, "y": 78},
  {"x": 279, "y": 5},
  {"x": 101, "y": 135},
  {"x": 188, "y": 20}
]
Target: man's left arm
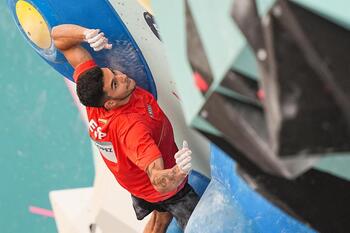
[{"x": 68, "y": 38}]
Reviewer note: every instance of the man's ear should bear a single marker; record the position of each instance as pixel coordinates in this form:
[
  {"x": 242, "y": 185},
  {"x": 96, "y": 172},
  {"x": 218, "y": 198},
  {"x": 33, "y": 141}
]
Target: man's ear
[{"x": 109, "y": 104}]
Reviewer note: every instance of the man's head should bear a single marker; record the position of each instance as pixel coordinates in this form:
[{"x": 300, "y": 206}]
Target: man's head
[{"x": 104, "y": 87}]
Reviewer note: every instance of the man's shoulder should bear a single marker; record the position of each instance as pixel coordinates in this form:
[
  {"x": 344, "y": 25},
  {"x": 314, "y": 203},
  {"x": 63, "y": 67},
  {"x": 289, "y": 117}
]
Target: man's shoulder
[
  {"x": 144, "y": 93},
  {"x": 127, "y": 120},
  {"x": 126, "y": 124}
]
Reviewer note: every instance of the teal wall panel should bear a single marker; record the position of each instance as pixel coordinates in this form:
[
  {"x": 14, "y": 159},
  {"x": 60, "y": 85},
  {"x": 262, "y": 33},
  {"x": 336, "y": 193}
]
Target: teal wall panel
[{"x": 44, "y": 144}]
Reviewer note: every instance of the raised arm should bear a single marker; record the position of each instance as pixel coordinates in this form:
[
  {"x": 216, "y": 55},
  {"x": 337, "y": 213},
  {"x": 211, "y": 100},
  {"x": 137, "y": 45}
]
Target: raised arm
[
  {"x": 68, "y": 37},
  {"x": 166, "y": 180}
]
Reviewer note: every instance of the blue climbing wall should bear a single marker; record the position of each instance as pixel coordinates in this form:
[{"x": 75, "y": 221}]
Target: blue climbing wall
[
  {"x": 199, "y": 183},
  {"x": 230, "y": 205}
]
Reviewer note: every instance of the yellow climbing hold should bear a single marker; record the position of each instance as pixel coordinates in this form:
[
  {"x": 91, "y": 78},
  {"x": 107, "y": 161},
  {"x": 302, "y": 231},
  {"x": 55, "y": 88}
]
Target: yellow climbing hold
[
  {"x": 33, "y": 24},
  {"x": 147, "y": 5}
]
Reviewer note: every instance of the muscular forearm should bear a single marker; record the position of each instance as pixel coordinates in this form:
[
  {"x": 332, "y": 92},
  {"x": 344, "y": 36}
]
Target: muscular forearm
[
  {"x": 166, "y": 180},
  {"x": 66, "y": 36}
]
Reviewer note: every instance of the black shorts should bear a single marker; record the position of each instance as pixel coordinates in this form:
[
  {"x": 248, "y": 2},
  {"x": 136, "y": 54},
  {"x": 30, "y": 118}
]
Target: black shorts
[{"x": 181, "y": 205}]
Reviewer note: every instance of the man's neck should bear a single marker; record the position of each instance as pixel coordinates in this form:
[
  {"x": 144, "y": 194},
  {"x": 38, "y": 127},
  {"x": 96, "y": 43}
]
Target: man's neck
[{"x": 121, "y": 102}]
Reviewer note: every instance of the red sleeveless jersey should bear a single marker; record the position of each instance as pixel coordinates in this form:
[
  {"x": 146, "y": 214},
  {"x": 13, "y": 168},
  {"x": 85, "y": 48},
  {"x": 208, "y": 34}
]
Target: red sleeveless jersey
[{"x": 132, "y": 136}]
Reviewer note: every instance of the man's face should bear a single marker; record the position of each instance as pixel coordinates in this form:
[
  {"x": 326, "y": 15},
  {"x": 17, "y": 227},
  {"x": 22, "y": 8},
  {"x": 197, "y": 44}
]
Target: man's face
[{"x": 117, "y": 85}]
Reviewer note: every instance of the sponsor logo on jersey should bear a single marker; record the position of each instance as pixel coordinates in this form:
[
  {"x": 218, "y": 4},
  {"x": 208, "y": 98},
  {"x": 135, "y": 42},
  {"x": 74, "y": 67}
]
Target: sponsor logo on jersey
[
  {"x": 96, "y": 130},
  {"x": 107, "y": 151},
  {"x": 150, "y": 111}
]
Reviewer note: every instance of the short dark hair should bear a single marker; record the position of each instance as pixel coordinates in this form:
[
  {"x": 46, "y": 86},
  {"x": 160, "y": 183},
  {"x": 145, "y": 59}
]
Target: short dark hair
[{"x": 90, "y": 88}]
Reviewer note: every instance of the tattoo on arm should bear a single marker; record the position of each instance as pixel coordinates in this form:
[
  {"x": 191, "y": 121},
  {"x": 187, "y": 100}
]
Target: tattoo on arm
[{"x": 165, "y": 180}]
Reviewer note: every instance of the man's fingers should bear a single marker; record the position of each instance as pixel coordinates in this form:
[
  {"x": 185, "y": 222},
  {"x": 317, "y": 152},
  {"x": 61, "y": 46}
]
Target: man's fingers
[
  {"x": 187, "y": 168},
  {"x": 180, "y": 152},
  {"x": 95, "y": 38},
  {"x": 184, "y": 158},
  {"x": 91, "y": 33},
  {"x": 179, "y": 159},
  {"x": 183, "y": 155},
  {"x": 108, "y": 46},
  {"x": 98, "y": 48},
  {"x": 101, "y": 42},
  {"x": 184, "y": 144},
  {"x": 185, "y": 161}
]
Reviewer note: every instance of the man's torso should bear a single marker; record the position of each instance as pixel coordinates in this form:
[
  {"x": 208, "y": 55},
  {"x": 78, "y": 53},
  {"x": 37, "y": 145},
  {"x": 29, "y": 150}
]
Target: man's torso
[{"x": 120, "y": 136}]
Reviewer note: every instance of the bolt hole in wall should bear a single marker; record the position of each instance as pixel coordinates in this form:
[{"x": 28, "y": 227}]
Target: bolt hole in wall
[{"x": 44, "y": 144}]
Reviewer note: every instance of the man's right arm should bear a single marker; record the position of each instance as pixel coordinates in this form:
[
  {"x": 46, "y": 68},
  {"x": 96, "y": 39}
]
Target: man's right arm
[
  {"x": 166, "y": 180},
  {"x": 68, "y": 37}
]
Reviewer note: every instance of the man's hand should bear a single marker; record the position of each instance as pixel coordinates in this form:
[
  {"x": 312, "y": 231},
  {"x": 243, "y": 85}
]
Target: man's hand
[
  {"x": 96, "y": 39},
  {"x": 183, "y": 158}
]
